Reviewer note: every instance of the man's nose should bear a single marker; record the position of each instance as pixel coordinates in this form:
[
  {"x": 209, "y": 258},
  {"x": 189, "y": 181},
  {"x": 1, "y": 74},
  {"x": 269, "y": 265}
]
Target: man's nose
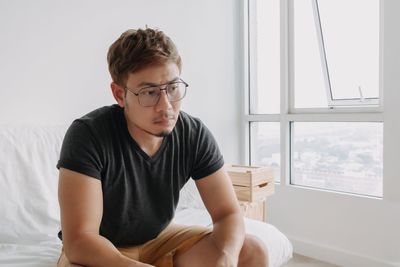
[{"x": 163, "y": 102}]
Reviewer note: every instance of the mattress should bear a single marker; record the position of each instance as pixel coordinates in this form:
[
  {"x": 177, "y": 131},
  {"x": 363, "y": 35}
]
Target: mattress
[{"x": 45, "y": 252}]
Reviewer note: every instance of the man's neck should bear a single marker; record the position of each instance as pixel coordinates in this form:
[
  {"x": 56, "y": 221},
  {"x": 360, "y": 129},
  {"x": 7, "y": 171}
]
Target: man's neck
[{"x": 149, "y": 143}]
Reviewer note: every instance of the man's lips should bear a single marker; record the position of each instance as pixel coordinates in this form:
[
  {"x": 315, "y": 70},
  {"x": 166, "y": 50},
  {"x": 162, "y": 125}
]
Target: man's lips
[{"x": 164, "y": 120}]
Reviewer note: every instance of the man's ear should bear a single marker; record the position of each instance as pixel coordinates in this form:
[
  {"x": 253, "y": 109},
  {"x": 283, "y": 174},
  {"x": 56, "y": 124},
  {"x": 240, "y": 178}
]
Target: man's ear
[{"x": 118, "y": 93}]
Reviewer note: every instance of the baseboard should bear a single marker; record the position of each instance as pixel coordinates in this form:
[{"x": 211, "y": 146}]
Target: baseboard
[{"x": 336, "y": 256}]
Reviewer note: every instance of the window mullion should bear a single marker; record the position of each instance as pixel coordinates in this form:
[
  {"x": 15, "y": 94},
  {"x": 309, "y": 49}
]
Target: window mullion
[
  {"x": 262, "y": 117},
  {"x": 246, "y": 82},
  {"x": 287, "y": 56},
  {"x": 285, "y": 149},
  {"x": 381, "y": 54},
  {"x": 287, "y": 93},
  {"x": 348, "y": 117}
]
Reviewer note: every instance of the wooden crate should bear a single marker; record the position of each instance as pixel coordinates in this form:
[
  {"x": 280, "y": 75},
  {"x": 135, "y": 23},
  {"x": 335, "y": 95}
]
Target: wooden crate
[
  {"x": 251, "y": 183},
  {"x": 254, "y": 210}
]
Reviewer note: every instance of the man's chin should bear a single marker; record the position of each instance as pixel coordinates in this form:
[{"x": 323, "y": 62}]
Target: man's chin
[{"x": 163, "y": 134}]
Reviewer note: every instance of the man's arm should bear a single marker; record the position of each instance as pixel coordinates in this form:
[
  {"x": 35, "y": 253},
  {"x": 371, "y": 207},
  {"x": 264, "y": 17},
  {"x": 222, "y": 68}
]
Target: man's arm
[
  {"x": 81, "y": 207},
  {"x": 220, "y": 200}
]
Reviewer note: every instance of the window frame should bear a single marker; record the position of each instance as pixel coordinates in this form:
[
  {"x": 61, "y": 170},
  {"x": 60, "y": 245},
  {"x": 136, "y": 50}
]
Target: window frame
[{"x": 288, "y": 113}]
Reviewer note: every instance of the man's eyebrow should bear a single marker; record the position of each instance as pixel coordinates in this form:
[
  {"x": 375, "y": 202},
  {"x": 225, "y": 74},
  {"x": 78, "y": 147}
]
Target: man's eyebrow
[{"x": 145, "y": 84}]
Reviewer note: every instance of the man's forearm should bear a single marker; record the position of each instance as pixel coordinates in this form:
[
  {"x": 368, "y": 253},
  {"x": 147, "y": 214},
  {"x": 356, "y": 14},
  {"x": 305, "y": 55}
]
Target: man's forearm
[
  {"x": 228, "y": 235},
  {"x": 95, "y": 250}
]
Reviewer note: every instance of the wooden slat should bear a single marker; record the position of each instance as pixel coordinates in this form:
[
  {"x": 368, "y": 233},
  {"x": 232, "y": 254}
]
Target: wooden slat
[
  {"x": 249, "y": 175},
  {"x": 255, "y": 193},
  {"x": 254, "y": 210}
]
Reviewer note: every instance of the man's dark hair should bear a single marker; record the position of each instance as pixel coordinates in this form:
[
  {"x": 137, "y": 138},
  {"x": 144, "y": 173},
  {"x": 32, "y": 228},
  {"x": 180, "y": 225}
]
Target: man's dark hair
[{"x": 138, "y": 49}]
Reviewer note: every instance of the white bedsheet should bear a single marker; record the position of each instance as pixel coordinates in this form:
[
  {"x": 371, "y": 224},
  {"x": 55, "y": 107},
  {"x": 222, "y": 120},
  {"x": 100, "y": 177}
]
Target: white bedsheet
[{"x": 40, "y": 254}]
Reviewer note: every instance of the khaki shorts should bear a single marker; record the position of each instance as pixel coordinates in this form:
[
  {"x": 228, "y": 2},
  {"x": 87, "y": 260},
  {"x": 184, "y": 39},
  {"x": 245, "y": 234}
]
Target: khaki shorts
[{"x": 174, "y": 240}]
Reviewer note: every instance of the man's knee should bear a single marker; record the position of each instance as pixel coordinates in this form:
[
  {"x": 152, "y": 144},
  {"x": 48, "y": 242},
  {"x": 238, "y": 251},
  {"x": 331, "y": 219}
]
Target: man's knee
[{"x": 253, "y": 253}]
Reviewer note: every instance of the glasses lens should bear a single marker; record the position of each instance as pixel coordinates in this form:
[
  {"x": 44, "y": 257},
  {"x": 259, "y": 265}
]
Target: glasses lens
[
  {"x": 149, "y": 96},
  {"x": 176, "y": 91}
]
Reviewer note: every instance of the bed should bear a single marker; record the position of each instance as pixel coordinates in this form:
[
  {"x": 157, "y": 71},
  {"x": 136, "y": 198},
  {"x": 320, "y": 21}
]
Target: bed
[{"x": 29, "y": 210}]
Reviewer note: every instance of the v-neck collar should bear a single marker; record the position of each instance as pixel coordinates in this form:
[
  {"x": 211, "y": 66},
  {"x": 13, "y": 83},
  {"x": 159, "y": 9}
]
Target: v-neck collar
[
  {"x": 148, "y": 158},
  {"x": 133, "y": 142}
]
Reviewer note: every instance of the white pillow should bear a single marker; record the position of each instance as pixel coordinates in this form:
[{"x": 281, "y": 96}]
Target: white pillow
[
  {"x": 280, "y": 249},
  {"x": 29, "y": 177},
  {"x": 189, "y": 196}
]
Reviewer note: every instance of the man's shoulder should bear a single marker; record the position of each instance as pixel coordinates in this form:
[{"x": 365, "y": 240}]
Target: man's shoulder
[
  {"x": 100, "y": 115},
  {"x": 189, "y": 120},
  {"x": 99, "y": 122}
]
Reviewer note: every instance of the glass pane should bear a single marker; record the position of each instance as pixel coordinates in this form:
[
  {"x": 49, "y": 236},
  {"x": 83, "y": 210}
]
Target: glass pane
[
  {"x": 265, "y": 146},
  {"x": 340, "y": 156},
  {"x": 309, "y": 84},
  {"x": 265, "y": 57},
  {"x": 348, "y": 33},
  {"x": 351, "y": 38}
]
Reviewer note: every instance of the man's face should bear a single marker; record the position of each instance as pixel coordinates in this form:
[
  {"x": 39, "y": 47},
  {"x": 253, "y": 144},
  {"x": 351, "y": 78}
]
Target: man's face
[{"x": 160, "y": 119}]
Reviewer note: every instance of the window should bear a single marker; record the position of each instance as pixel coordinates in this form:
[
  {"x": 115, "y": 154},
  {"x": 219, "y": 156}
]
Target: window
[
  {"x": 265, "y": 146},
  {"x": 340, "y": 156},
  {"x": 315, "y": 111},
  {"x": 265, "y": 59},
  {"x": 339, "y": 43}
]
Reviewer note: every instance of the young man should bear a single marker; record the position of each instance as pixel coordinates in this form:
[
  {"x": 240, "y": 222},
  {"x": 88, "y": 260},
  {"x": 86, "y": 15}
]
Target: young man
[{"x": 122, "y": 167}]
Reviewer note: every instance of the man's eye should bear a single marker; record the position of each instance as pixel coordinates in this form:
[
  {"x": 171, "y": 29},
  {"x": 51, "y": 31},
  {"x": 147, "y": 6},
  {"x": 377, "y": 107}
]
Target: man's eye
[
  {"x": 149, "y": 92},
  {"x": 172, "y": 87}
]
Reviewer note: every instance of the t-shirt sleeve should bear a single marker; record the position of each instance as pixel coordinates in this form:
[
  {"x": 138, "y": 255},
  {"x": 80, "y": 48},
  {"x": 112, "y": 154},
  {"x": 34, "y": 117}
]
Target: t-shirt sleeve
[
  {"x": 80, "y": 151},
  {"x": 208, "y": 158}
]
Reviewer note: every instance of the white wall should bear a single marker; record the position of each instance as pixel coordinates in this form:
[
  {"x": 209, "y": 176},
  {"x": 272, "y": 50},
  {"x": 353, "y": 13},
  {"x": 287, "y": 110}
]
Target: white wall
[
  {"x": 53, "y": 58},
  {"x": 344, "y": 229}
]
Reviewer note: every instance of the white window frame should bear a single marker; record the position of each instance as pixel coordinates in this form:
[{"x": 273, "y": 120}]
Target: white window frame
[{"x": 288, "y": 113}]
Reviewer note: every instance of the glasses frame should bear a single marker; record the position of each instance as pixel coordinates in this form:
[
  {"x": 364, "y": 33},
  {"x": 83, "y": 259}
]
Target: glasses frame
[{"x": 161, "y": 87}]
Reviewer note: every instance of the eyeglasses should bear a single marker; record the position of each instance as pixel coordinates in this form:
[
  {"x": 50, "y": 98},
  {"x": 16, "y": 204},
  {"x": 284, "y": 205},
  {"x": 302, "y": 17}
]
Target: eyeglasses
[{"x": 149, "y": 96}]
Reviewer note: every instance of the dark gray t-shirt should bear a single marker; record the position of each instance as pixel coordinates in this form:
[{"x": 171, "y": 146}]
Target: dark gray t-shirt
[{"x": 140, "y": 193}]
